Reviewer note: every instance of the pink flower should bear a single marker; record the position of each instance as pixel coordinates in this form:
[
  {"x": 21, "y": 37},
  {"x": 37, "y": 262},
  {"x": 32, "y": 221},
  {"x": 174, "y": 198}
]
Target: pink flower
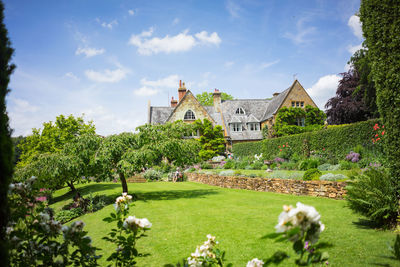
[{"x": 41, "y": 199}]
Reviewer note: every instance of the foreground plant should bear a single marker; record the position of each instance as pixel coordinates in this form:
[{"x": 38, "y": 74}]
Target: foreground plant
[
  {"x": 129, "y": 229},
  {"x": 207, "y": 254},
  {"x": 36, "y": 239},
  {"x": 301, "y": 226}
]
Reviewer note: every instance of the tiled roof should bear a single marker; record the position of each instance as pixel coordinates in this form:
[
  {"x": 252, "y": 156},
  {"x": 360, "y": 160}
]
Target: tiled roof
[
  {"x": 159, "y": 115},
  {"x": 275, "y": 103}
]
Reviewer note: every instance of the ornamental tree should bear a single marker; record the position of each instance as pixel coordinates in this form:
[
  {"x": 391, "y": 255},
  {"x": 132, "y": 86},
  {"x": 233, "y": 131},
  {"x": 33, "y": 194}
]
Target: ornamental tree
[
  {"x": 211, "y": 139},
  {"x": 381, "y": 28}
]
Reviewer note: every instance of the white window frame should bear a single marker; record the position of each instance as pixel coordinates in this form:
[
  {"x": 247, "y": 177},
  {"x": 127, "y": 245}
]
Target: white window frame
[
  {"x": 237, "y": 127},
  {"x": 301, "y": 121},
  {"x": 240, "y": 111},
  {"x": 189, "y": 113},
  {"x": 253, "y": 126}
]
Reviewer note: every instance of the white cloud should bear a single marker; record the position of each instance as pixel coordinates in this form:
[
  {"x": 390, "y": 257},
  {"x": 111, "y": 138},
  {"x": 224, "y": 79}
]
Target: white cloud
[
  {"x": 324, "y": 89},
  {"x": 302, "y": 35},
  {"x": 353, "y": 48},
  {"x": 355, "y": 25},
  {"x": 229, "y": 64},
  {"x": 108, "y": 25},
  {"x": 107, "y": 76},
  {"x": 233, "y": 9},
  {"x": 145, "y": 91},
  {"x": 153, "y": 87},
  {"x": 24, "y": 106},
  {"x": 269, "y": 64},
  {"x": 89, "y": 52},
  {"x": 131, "y": 12},
  {"x": 171, "y": 44},
  {"x": 71, "y": 76},
  {"x": 206, "y": 38}
]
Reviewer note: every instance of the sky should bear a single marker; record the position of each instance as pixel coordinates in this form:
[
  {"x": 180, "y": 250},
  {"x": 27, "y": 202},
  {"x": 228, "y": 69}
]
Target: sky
[{"x": 105, "y": 60}]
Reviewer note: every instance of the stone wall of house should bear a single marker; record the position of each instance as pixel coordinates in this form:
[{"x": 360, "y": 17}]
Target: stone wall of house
[
  {"x": 298, "y": 94},
  {"x": 189, "y": 102},
  {"x": 335, "y": 190}
]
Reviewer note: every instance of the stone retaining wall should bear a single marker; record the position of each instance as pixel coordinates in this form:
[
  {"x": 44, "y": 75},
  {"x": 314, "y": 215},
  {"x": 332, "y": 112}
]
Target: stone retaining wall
[{"x": 327, "y": 189}]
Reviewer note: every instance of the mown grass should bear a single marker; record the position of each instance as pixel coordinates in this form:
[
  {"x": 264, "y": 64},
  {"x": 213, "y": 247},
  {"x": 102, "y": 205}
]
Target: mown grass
[{"x": 184, "y": 213}]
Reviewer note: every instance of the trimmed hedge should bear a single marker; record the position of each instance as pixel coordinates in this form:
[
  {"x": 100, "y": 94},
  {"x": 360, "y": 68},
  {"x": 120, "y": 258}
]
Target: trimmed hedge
[{"x": 335, "y": 141}]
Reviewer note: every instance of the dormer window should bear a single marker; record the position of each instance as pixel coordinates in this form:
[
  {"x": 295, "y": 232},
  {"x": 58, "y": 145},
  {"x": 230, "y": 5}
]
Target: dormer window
[
  {"x": 189, "y": 115},
  {"x": 240, "y": 111}
]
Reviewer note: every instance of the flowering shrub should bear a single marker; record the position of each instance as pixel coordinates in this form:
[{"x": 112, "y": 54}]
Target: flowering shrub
[
  {"x": 255, "y": 263},
  {"x": 353, "y": 157},
  {"x": 279, "y": 160},
  {"x": 129, "y": 230},
  {"x": 258, "y": 157},
  {"x": 207, "y": 254},
  {"x": 36, "y": 239}
]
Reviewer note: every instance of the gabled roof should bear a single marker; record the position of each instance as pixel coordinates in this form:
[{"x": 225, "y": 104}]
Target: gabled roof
[
  {"x": 187, "y": 94},
  {"x": 275, "y": 103}
]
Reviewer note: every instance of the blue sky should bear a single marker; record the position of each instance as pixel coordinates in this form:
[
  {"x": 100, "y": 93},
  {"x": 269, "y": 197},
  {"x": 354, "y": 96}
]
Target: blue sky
[{"x": 107, "y": 59}]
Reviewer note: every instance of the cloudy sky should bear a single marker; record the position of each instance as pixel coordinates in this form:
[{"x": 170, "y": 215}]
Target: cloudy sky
[{"x": 107, "y": 59}]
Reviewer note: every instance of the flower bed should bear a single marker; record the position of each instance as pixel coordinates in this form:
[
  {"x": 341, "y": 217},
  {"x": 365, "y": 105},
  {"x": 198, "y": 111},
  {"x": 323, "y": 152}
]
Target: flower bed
[{"x": 329, "y": 189}]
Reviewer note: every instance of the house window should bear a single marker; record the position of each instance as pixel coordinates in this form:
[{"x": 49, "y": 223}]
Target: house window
[
  {"x": 302, "y": 104},
  {"x": 189, "y": 115},
  {"x": 297, "y": 104},
  {"x": 239, "y": 111},
  {"x": 237, "y": 127},
  {"x": 293, "y": 104},
  {"x": 301, "y": 122},
  {"x": 254, "y": 126}
]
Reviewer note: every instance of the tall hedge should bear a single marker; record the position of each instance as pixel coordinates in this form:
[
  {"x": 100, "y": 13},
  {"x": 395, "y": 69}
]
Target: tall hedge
[
  {"x": 381, "y": 28},
  {"x": 6, "y": 165},
  {"x": 337, "y": 140}
]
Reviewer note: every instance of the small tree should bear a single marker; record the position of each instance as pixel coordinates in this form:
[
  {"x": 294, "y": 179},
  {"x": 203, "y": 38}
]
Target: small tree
[
  {"x": 206, "y": 99},
  {"x": 211, "y": 139}
]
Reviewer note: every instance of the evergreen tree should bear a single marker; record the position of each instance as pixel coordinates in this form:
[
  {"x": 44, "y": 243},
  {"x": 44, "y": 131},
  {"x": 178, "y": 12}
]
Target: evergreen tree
[{"x": 6, "y": 165}]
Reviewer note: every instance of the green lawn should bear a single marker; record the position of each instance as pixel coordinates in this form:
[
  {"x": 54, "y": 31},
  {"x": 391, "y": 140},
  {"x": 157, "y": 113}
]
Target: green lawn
[{"x": 184, "y": 213}]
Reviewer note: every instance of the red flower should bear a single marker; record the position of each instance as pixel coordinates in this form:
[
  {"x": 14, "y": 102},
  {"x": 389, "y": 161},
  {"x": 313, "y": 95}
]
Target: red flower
[
  {"x": 376, "y": 135},
  {"x": 383, "y": 132},
  {"x": 283, "y": 146},
  {"x": 378, "y": 139},
  {"x": 280, "y": 150},
  {"x": 279, "y": 146},
  {"x": 323, "y": 149}
]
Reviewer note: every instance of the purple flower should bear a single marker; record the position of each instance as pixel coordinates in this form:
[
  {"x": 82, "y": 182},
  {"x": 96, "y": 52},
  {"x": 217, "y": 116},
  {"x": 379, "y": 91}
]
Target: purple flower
[
  {"x": 41, "y": 199},
  {"x": 279, "y": 160}
]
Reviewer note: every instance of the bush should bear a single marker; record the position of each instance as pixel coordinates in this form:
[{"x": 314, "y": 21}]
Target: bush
[
  {"x": 335, "y": 167},
  {"x": 347, "y": 165},
  {"x": 191, "y": 169},
  {"x": 332, "y": 177},
  {"x": 230, "y": 164},
  {"x": 372, "y": 195},
  {"x": 227, "y": 173},
  {"x": 97, "y": 202},
  {"x": 264, "y": 167},
  {"x": 310, "y": 163},
  {"x": 64, "y": 216},
  {"x": 237, "y": 173},
  {"x": 252, "y": 175},
  {"x": 249, "y": 167},
  {"x": 288, "y": 165},
  {"x": 205, "y": 165},
  {"x": 312, "y": 174},
  {"x": 324, "y": 167},
  {"x": 257, "y": 165},
  {"x": 152, "y": 175}
]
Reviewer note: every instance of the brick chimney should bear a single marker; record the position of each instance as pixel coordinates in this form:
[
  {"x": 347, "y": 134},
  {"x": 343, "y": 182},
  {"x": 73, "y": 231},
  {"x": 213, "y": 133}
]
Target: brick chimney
[
  {"x": 181, "y": 90},
  {"x": 217, "y": 100},
  {"x": 174, "y": 102}
]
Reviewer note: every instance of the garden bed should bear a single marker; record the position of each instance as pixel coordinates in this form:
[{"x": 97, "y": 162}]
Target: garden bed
[{"x": 335, "y": 190}]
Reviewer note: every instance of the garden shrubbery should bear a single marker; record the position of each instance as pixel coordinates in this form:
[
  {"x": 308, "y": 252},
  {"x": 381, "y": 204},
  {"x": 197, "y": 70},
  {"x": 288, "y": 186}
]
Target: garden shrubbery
[{"x": 312, "y": 174}]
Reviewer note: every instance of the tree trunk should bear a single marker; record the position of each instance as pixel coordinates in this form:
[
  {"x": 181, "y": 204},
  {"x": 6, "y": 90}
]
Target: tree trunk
[
  {"x": 123, "y": 182},
  {"x": 77, "y": 195}
]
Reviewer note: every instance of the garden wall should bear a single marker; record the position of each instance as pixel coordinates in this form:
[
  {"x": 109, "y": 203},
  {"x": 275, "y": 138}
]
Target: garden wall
[
  {"x": 335, "y": 190},
  {"x": 336, "y": 141}
]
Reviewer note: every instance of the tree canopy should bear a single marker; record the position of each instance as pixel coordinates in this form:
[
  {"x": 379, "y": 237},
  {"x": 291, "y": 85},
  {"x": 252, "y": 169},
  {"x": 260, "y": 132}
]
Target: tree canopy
[
  {"x": 53, "y": 136},
  {"x": 211, "y": 139},
  {"x": 206, "y": 99}
]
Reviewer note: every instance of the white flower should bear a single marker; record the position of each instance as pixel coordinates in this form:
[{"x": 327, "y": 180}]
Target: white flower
[
  {"x": 129, "y": 222},
  {"x": 44, "y": 216},
  {"x": 144, "y": 223},
  {"x": 255, "y": 263}
]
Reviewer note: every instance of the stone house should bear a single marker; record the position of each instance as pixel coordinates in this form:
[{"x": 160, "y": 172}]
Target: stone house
[{"x": 241, "y": 119}]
